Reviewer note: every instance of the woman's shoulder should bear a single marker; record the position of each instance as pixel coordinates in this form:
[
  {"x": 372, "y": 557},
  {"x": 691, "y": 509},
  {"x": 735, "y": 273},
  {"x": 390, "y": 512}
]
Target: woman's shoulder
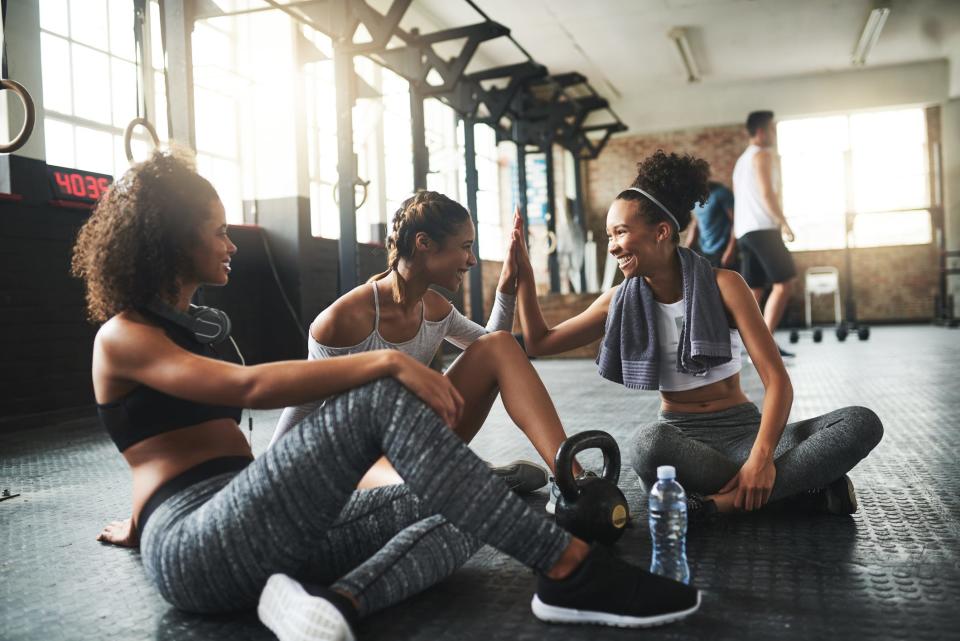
[
  {"x": 729, "y": 281},
  {"x": 128, "y": 336},
  {"x": 435, "y": 306},
  {"x": 347, "y": 321}
]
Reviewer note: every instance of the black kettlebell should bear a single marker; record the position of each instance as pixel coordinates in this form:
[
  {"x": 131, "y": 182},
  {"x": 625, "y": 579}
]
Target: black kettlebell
[{"x": 593, "y": 508}]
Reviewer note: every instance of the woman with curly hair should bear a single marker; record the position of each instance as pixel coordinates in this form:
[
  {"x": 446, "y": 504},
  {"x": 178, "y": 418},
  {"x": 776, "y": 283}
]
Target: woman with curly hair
[
  {"x": 221, "y": 531},
  {"x": 677, "y": 325},
  {"x": 432, "y": 244}
]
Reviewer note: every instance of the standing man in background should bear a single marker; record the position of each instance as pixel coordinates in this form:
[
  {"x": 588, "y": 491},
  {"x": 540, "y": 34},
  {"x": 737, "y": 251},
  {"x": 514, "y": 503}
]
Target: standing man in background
[
  {"x": 712, "y": 226},
  {"x": 759, "y": 224}
]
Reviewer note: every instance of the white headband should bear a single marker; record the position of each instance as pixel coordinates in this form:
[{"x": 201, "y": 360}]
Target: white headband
[{"x": 658, "y": 204}]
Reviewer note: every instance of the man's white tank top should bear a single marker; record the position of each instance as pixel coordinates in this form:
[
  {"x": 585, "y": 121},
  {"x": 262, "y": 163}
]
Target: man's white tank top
[{"x": 750, "y": 214}]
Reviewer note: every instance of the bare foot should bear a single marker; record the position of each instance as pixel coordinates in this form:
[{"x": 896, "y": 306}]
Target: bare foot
[{"x": 121, "y": 533}]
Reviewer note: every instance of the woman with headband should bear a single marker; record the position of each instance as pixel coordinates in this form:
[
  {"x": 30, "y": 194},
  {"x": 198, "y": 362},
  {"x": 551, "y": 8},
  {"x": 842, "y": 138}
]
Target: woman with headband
[{"x": 677, "y": 325}]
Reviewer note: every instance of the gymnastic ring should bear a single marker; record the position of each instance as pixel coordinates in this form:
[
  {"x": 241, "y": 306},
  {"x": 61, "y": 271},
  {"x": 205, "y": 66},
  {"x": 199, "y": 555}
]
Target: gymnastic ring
[
  {"x": 30, "y": 116},
  {"x": 551, "y": 241},
  {"x": 358, "y": 181},
  {"x": 128, "y": 135}
]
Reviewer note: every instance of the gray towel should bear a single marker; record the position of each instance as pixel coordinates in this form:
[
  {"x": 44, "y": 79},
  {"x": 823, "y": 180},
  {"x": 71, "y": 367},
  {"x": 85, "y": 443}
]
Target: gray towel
[{"x": 629, "y": 355}]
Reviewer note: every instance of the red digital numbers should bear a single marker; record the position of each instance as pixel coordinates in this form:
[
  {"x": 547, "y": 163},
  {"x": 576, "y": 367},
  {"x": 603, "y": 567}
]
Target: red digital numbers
[
  {"x": 81, "y": 185},
  {"x": 63, "y": 182}
]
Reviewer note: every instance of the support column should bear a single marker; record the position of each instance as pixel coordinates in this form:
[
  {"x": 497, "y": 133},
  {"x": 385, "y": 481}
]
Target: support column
[
  {"x": 346, "y": 168},
  {"x": 579, "y": 213},
  {"x": 476, "y": 274},
  {"x": 950, "y": 119},
  {"x": 178, "y": 29},
  {"x": 553, "y": 264},
  {"x": 421, "y": 158}
]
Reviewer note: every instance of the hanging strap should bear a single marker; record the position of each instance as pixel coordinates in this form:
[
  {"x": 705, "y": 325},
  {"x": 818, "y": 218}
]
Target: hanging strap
[
  {"x": 143, "y": 74},
  {"x": 3, "y": 29}
]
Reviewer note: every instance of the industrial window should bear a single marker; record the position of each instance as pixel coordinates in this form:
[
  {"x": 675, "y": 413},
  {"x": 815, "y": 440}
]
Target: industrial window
[
  {"x": 489, "y": 213},
  {"x": 870, "y": 166},
  {"x": 222, "y": 81},
  {"x": 89, "y": 82},
  {"x": 381, "y": 141}
]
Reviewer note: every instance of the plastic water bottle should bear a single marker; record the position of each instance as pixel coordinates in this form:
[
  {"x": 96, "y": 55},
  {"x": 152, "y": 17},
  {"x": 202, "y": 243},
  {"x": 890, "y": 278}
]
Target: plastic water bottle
[{"x": 668, "y": 526}]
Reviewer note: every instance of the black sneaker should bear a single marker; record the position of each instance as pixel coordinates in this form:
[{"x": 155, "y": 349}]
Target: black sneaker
[
  {"x": 607, "y": 591},
  {"x": 784, "y": 353},
  {"x": 838, "y": 497},
  {"x": 700, "y": 510},
  {"x": 523, "y": 477}
]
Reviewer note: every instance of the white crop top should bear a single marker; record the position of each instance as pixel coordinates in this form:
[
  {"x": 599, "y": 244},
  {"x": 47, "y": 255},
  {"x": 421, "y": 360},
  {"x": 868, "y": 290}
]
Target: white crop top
[
  {"x": 669, "y": 323},
  {"x": 454, "y": 328}
]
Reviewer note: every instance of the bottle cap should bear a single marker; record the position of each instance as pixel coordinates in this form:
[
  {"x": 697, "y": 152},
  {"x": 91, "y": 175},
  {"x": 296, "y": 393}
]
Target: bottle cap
[{"x": 666, "y": 472}]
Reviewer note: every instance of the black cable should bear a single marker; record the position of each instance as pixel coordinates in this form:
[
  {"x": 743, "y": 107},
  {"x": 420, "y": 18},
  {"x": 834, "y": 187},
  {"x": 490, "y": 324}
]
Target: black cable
[{"x": 276, "y": 278}]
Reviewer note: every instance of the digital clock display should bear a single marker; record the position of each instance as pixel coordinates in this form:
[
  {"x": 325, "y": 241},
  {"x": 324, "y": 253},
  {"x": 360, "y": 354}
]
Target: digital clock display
[{"x": 77, "y": 185}]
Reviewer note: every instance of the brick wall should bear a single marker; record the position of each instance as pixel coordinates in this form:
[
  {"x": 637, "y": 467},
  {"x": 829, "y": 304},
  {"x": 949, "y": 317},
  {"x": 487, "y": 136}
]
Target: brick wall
[{"x": 891, "y": 284}]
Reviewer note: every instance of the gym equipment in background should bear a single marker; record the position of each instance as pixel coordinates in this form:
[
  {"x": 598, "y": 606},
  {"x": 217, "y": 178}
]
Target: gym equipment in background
[
  {"x": 591, "y": 508},
  {"x": 825, "y": 280},
  {"x": 29, "y": 109}
]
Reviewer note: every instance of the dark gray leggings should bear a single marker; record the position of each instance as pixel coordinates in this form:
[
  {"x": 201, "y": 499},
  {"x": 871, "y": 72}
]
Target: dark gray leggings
[
  {"x": 709, "y": 449},
  {"x": 211, "y": 547}
]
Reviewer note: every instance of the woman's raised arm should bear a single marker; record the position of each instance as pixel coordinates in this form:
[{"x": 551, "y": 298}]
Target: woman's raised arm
[{"x": 541, "y": 339}]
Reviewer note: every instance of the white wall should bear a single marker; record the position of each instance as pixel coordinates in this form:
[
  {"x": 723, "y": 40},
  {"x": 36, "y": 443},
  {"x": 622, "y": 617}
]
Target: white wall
[{"x": 705, "y": 104}]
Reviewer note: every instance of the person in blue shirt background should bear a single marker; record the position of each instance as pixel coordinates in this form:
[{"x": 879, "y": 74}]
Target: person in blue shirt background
[{"x": 712, "y": 226}]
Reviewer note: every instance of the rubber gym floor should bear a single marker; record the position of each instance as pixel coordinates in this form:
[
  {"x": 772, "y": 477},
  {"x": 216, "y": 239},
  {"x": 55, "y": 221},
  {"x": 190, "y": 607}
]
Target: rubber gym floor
[{"x": 891, "y": 571}]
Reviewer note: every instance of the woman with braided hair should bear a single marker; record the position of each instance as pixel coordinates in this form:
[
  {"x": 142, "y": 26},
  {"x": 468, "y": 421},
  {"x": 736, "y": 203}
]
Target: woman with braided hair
[{"x": 431, "y": 243}]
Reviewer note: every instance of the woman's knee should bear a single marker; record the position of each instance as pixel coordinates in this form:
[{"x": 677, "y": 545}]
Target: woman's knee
[
  {"x": 499, "y": 342},
  {"x": 651, "y": 447},
  {"x": 866, "y": 425}
]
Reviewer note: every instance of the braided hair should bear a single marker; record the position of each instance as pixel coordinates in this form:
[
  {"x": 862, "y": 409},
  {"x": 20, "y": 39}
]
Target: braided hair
[{"x": 430, "y": 212}]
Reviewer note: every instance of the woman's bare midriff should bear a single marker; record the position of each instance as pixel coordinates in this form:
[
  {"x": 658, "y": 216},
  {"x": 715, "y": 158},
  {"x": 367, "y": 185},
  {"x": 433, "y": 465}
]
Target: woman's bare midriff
[
  {"x": 714, "y": 397},
  {"x": 160, "y": 458}
]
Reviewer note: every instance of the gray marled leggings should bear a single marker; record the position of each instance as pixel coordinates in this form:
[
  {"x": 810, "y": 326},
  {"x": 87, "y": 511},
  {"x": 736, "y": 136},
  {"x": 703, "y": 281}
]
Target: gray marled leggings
[
  {"x": 709, "y": 449},
  {"x": 211, "y": 547}
]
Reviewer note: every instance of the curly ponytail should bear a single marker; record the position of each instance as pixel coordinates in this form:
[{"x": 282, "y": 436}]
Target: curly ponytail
[{"x": 678, "y": 182}]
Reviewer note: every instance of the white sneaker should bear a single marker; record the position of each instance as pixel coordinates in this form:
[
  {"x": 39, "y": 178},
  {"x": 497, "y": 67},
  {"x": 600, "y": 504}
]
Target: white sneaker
[
  {"x": 293, "y": 614},
  {"x": 551, "y": 506}
]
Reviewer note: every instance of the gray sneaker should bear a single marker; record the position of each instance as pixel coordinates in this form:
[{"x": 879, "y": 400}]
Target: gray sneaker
[{"x": 523, "y": 477}]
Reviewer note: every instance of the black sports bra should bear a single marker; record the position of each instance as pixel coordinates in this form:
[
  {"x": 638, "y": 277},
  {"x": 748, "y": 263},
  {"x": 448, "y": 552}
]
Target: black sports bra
[{"x": 144, "y": 412}]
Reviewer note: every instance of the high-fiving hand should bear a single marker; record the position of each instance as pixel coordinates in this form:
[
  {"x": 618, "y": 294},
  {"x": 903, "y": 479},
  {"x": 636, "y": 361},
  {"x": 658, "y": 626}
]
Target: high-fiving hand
[{"x": 511, "y": 266}]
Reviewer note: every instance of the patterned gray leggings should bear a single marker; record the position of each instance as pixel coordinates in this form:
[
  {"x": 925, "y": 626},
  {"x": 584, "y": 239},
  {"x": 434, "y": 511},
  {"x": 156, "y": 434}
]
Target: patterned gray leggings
[
  {"x": 211, "y": 547},
  {"x": 709, "y": 449}
]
